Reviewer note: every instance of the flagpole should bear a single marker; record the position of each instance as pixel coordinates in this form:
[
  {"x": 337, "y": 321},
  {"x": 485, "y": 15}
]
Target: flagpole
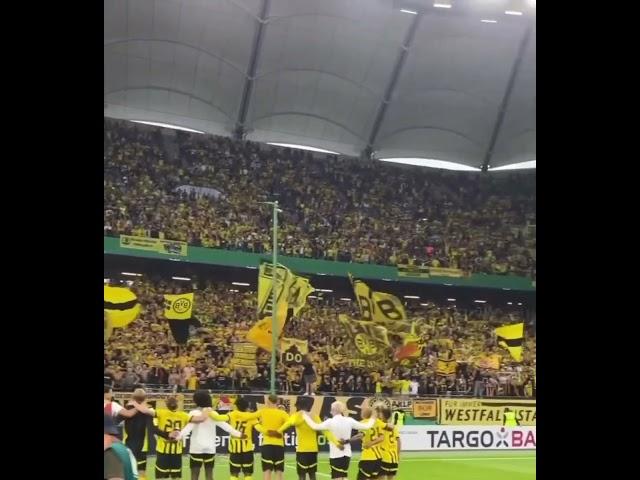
[{"x": 274, "y": 290}]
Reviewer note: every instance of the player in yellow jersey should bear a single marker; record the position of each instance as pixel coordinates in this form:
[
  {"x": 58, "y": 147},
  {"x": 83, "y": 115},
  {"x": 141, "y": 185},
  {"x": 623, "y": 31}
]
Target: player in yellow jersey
[
  {"x": 271, "y": 419},
  {"x": 241, "y": 450},
  {"x": 371, "y": 457},
  {"x": 169, "y": 451},
  {"x": 390, "y": 447},
  {"x": 307, "y": 448}
]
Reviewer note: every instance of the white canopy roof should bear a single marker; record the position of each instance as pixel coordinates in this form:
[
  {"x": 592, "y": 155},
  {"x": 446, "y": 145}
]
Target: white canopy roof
[{"x": 342, "y": 75}]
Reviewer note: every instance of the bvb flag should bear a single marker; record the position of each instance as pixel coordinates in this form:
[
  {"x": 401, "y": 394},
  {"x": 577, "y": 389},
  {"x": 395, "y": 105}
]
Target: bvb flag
[
  {"x": 293, "y": 350},
  {"x": 178, "y": 310},
  {"x": 291, "y": 296},
  {"x": 121, "y": 307},
  {"x": 446, "y": 367},
  {"x": 377, "y": 306},
  {"x": 511, "y": 338}
]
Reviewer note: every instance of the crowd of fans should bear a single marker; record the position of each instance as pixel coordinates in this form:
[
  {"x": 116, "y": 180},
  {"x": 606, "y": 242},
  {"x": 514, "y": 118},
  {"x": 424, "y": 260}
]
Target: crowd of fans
[
  {"x": 334, "y": 208},
  {"x": 145, "y": 353}
]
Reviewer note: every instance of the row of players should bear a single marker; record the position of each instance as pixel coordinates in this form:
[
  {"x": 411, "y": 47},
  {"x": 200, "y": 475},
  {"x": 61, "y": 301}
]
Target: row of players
[{"x": 379, "y": 436}]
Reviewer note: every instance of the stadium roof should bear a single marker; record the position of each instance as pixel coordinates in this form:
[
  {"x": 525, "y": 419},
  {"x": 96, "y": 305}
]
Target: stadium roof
[{"x": 395, "y": 78}]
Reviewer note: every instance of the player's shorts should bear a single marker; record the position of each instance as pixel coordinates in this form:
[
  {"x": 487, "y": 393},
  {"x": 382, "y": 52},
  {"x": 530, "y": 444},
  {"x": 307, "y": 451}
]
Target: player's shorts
[
  {"x": 306, "y": 462},
  {"x": 241, "y": 462},
  {"x": 273, "y": 458},
  {"x": 339, "y": 466},
  {"x": 204, "y": 460},
  {"x": 169, "y": 465},
  {"x": 388, "y": 468},
  {"x": 368, "y": 469}
]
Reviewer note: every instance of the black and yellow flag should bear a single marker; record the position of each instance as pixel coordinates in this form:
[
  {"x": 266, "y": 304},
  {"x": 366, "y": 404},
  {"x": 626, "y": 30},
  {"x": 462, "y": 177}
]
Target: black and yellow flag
[
  {"x": 121, "y": 307},
  {"x": 368, "y": 347},
  {"x": 511, "y": 337},
  {"x": 178, "y": 310},
  {"x": 293, "y": 350},
  {"x": 446, "y": 367},
  {"x": 291, "y": 296},
  {"x": 378, "y": 307}
]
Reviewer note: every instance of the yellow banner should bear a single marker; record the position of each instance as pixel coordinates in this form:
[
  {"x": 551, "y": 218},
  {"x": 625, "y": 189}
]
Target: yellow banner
[
  {"x": 484, "y": 411},
  {"x": 178, "y": 307},
  {"x": 293, "y": 350},
  {"x": 446, "y": 367},
  {"x": 369, "y": 345},
  {"x": 418, "y": 271},
  {"x": 244, "y": 357},
  {"x": 425, "y": 408},
  {"x": 488, "y": 362},
  {"x": 158, "y": 245}
]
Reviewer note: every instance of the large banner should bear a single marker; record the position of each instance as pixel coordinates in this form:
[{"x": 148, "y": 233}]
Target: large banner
[
  {"x": 368, "y": 346},
  {"x": 484, "y": 411},
  {"x": 421, "y": 438},
  {"x": 418, "y": 271},
  {"x": 158, "y": 245}
]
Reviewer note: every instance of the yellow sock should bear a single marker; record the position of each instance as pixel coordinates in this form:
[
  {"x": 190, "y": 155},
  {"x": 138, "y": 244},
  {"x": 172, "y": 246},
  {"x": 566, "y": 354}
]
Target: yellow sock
[{"x": 233, "y": 478}]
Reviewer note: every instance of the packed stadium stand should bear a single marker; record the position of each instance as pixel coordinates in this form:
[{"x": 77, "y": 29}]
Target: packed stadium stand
[{"x": 340, "y": 209}]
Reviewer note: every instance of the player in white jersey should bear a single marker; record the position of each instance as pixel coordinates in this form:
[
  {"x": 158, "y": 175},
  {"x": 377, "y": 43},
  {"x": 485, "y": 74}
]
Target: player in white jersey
[
  {"x": 202, "y": 448},
  {"x": 341, "y": 427}
]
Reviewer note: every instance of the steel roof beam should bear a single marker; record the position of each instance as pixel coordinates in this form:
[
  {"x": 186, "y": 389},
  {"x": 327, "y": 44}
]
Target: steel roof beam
[
  {"x": 507, "y": 96},
  {"x": 391, "y": 84},
  {"x": 261, "y": 23}
]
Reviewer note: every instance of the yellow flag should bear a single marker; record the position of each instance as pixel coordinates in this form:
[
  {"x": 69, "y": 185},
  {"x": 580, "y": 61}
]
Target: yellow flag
[
  {"x": 121, "y": 307},
  {"x": 511, "y": 337},
  {"x": 446, "y": 367},
  {"x": 299, "y": 290},
  {"x": 378, "y": 306},
  {"x": 178, "y": 307},
  {"x": 285, "y": 280},
  {"x": 260, "y": 334},
  {"x": 293, "y": 350}
]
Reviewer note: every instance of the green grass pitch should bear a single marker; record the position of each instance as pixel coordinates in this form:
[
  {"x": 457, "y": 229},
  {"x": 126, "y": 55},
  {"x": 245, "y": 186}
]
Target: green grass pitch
[{"x": 463, "y": 465}]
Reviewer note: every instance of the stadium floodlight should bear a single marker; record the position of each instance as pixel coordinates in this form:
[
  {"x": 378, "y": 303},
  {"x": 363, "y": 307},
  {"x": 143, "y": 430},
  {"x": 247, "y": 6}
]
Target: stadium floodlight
[
  {"x": 519, "y": 303},
  {"x": 311, "y": 296},
  {"x": 323, "y": 274},
  {"x": 512, "y": 12},
  {"x": 412, "y": 12},
  {"x": 327, "y": 290},
  {"x": 451, "y": 299},
  {"x": 432, "y": 163},
  {"x": 509, "y": 303},
  {"x": 131, "y": 274},
  {"x": 252, "y": 268},
  {"x": 346, "y": 299},
  {"x": 412, "y": 296},
  {"x": 516, "y": 166},
  {"x": 424, "y": 304},
  {"x": 183, "y": 279},
  {"x": 167, "y": 125},
  {"x": 504, "y": 288},
  {"x": 303, "y": 147},
  {"x": 488, "y": 20},
  {"x": 480, "y": 301},
  {"x": 241, "y": 284},
  {"x": 442, "y": 5},
  {"x": 233, "y": 290},
  {"x": 175, "y": 259},
  {"x": 449, "y": 284},
  {"x": 387, "y": 280}
]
